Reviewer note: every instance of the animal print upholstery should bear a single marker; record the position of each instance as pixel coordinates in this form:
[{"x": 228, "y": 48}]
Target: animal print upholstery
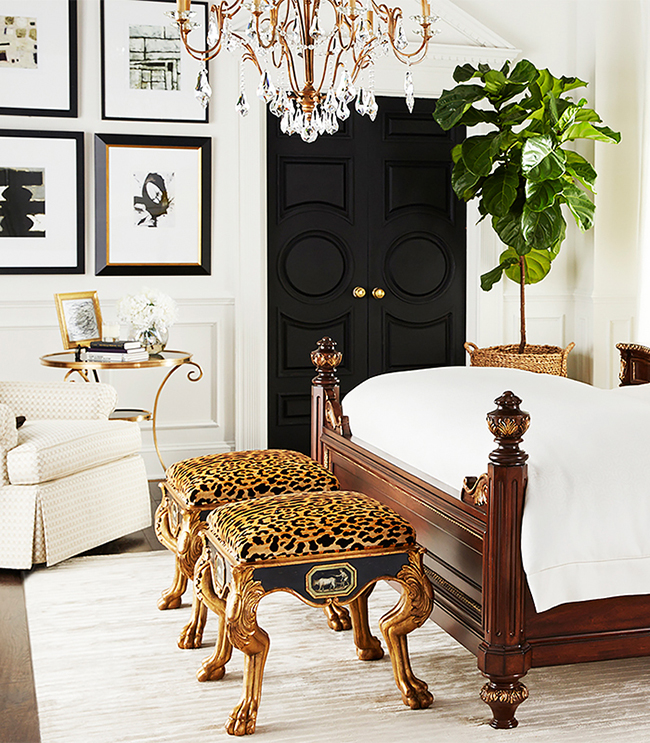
[
  {"x": 303, "y": 524},
  {"x": 240, "y": 475}
]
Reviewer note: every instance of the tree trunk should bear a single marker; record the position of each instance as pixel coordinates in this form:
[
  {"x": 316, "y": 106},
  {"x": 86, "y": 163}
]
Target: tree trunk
[{"x": 522, "y": 304}]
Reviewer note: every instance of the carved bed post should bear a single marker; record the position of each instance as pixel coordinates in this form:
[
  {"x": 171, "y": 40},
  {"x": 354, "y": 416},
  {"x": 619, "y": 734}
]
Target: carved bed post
[
  {"x": 324, "y": 387},
  {"x": 504, "y": 655}
]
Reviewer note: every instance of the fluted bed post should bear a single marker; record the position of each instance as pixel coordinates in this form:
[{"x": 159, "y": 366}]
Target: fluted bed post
[
  {"x": 504, "y": 655},
  {"x": 324, "y": 387}
]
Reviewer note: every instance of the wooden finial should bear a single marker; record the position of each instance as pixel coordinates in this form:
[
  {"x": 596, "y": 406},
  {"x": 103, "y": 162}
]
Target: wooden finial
[
  {"x": 326, "y": 359},
  {"x": 508, "y": 423}
]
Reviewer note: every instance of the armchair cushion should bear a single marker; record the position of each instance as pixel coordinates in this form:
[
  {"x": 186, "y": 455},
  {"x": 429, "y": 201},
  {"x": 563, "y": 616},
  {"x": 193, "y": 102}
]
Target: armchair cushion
[
  {"x": 50, "y": 449},
  {"x": 61, "y": 400}
]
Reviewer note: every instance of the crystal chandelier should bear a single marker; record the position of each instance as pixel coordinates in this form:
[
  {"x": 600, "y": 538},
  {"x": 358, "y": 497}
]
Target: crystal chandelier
[{"x": 323, "y": 52}]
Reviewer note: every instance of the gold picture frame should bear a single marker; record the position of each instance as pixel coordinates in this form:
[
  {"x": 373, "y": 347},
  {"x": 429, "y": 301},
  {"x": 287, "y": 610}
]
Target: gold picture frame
[{"x": 80, "y": 318}]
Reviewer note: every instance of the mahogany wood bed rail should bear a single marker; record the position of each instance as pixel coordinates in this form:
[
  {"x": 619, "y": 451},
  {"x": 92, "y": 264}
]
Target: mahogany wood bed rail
[{"x": 473, "y": 553}]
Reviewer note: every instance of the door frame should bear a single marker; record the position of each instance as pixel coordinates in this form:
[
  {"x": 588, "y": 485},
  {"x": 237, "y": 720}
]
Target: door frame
[{"x": 484, "y": 311}]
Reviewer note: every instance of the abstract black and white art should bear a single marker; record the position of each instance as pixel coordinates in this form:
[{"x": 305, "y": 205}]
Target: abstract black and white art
[
  {"x": 154, "y": 203},
  {"x": 154, "y": 57},
  {"x": 18, "y": 46},
  {"x": 22, "y": 202}
]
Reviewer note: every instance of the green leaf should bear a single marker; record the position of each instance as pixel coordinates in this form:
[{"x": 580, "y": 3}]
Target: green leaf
[
  {"x": 587, "y": 114},
  {"x": 500, "y": 190},
  {"x": 478, "y": 153},
  {"x": 474, "y": 116},
  {"x": 587, "y": 130},
  {"x": 489, "y": 279},
  {"x": 513, "y": 114},
  {"x": 508, "y": 228},
  {"x": 465, "y": 72},
  {"x": 534, "y": 151},
  {"x": 455, "y": 152},
  {"x": 453, "y": 103},
  {"x": 540, "y": 195},
  {"x": 541, "y": 229},
  {"x": 580, "y": 205},
  {"x": 463, "y": 180},
  {"x": 577, "y": 166},
  {"x": 494, "y": 81},
  {"x": 537, "y": 264},
  {"x": 524, "y": 72},
  {"x": 552, "y": 166},
  {"x": 541, "y": 160}
]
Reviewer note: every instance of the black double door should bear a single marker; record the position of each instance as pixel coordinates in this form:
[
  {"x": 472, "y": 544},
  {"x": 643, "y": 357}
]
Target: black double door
[{"x": 366, "y": 244}]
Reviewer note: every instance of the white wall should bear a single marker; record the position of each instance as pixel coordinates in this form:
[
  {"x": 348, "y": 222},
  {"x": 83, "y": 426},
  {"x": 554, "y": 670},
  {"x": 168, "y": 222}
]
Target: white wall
[{"x": 588, "y": 298}]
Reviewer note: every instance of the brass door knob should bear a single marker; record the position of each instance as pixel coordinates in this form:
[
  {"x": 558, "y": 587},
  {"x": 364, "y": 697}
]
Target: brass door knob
[
  {"x": 378, "y": 293},
  {"x": 358, "y": 292}
]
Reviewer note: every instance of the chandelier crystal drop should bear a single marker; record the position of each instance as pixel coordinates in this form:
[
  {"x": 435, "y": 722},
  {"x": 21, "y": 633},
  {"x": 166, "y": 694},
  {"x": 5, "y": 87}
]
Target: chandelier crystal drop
[{"x": 319, "y": 49}]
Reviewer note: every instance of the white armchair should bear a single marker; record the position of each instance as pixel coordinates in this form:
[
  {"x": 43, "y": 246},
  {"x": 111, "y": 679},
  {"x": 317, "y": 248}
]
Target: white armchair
[{"x": 70, "y": 478}]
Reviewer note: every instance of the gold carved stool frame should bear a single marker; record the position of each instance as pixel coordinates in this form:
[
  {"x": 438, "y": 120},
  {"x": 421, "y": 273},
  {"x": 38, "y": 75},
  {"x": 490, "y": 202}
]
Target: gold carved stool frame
[
  {"x": 178, "y": 525},
  {"x": 233, "y": 589}
]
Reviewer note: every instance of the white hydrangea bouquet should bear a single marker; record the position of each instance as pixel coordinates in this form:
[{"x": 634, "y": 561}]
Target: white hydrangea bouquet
[{"x": 150, "y": 314}]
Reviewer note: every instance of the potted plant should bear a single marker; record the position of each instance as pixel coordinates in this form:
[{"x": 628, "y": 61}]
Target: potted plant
[{"x": 522, "y": 172}]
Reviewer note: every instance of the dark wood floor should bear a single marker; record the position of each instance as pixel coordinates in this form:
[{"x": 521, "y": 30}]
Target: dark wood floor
[{"x": 18, "y": 710}]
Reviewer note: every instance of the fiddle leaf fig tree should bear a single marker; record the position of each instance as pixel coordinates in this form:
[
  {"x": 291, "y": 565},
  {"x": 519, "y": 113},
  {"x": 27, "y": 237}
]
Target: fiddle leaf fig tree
[{"x": 522, "y": 171}]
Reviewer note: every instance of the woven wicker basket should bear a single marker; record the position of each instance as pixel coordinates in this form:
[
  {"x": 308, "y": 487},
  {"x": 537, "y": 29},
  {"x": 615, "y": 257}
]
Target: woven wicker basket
[{"x": 540, "y": 359}]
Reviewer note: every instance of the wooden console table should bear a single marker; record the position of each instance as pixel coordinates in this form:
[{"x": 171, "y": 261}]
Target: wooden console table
[{"x": 88, "y": 371}]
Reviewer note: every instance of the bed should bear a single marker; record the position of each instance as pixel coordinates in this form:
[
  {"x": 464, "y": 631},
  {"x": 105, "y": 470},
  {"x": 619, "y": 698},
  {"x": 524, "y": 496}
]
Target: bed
[{"x": 472, "y": 530}]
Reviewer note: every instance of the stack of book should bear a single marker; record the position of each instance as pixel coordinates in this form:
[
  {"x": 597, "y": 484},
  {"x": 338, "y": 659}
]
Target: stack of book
[{"x": 114, "y": 352}]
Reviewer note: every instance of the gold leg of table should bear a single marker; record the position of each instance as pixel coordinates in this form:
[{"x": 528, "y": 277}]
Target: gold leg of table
[
  {"x": 83, "y": 373},
  {"x": 193, "y": 375}
]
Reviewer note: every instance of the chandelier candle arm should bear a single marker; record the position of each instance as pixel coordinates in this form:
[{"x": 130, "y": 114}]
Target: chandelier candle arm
[{"x": 319, "y": 67}]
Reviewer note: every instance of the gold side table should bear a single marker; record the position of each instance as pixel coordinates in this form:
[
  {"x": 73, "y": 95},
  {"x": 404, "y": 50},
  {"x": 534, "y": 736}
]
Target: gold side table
[{"x": 88, "y": 371}]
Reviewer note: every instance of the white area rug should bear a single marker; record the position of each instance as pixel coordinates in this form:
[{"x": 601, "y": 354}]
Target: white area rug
[{"x": 108, "y": 670}]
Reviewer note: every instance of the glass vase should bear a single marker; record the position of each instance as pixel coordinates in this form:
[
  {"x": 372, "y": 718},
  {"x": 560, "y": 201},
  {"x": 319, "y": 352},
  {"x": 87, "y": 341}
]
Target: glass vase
[{"x": 153, "y": 339}]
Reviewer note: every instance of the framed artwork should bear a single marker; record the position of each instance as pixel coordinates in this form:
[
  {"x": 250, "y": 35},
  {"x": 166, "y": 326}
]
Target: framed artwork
[
  {"x": 80, "y": 318},
  {"x": 152, "y": 205},
  {"x": 38, "y": 57},
  {"x": 41, "y": 202},
  {"x": 147, "y": 74}
]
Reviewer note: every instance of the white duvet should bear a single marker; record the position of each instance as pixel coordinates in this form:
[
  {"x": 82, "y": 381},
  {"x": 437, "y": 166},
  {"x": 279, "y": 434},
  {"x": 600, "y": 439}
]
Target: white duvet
[{"x": 586, "y": 521}]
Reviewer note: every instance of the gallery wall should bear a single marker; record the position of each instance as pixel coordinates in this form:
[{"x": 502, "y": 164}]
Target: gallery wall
[{"x": 589, "y": 297}]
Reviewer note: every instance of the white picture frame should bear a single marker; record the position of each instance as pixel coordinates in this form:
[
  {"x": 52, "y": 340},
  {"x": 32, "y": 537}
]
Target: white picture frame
[
  {"x": 47, "y": 86},
  {"x": 147, "y": 74},
  {"x": 54, "y": 241}
]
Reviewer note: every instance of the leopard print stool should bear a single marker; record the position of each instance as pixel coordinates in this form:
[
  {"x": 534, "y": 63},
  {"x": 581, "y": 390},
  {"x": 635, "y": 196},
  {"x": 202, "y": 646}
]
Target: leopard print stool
[
  {"x": 195, "y": 487},
  {"x": 327, "y": 548}
]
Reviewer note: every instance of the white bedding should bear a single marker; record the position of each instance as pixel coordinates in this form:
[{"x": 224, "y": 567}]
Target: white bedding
[{"x": 586, "y": 522}]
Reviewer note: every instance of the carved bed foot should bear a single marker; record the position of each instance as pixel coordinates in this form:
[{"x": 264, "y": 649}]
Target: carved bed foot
[
  {"x": 338, "y": 617},
  {"x": 192, "y": 633},
  {"x": 503, "y": 696},
  {"x": 410, "y": 612},
  {"x": 246, "y": 635},
  {"x": 368, "y": 646}
]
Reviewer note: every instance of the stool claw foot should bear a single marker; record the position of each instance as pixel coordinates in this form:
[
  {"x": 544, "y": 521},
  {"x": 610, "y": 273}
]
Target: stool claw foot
[
  {"x": 243, "y": 718},
  {"x": 172, "y": 597},
  {"x": 368, "y": 646},
  {"x": 246, "y": 635},
  {"x": 205, "y": 597},
  {"x": 338, "y": 617},
  {"x": 410, "y": 612},
  {"x": 192, "y": 633}
]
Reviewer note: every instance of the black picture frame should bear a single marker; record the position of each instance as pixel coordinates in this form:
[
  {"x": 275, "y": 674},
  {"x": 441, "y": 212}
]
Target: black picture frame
[
  {"x": 121, "y": 101},
  {"x": 126, "y": 168},
  {"x": 60, "y": 155},
  {"x": 53, "y": 82}
]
